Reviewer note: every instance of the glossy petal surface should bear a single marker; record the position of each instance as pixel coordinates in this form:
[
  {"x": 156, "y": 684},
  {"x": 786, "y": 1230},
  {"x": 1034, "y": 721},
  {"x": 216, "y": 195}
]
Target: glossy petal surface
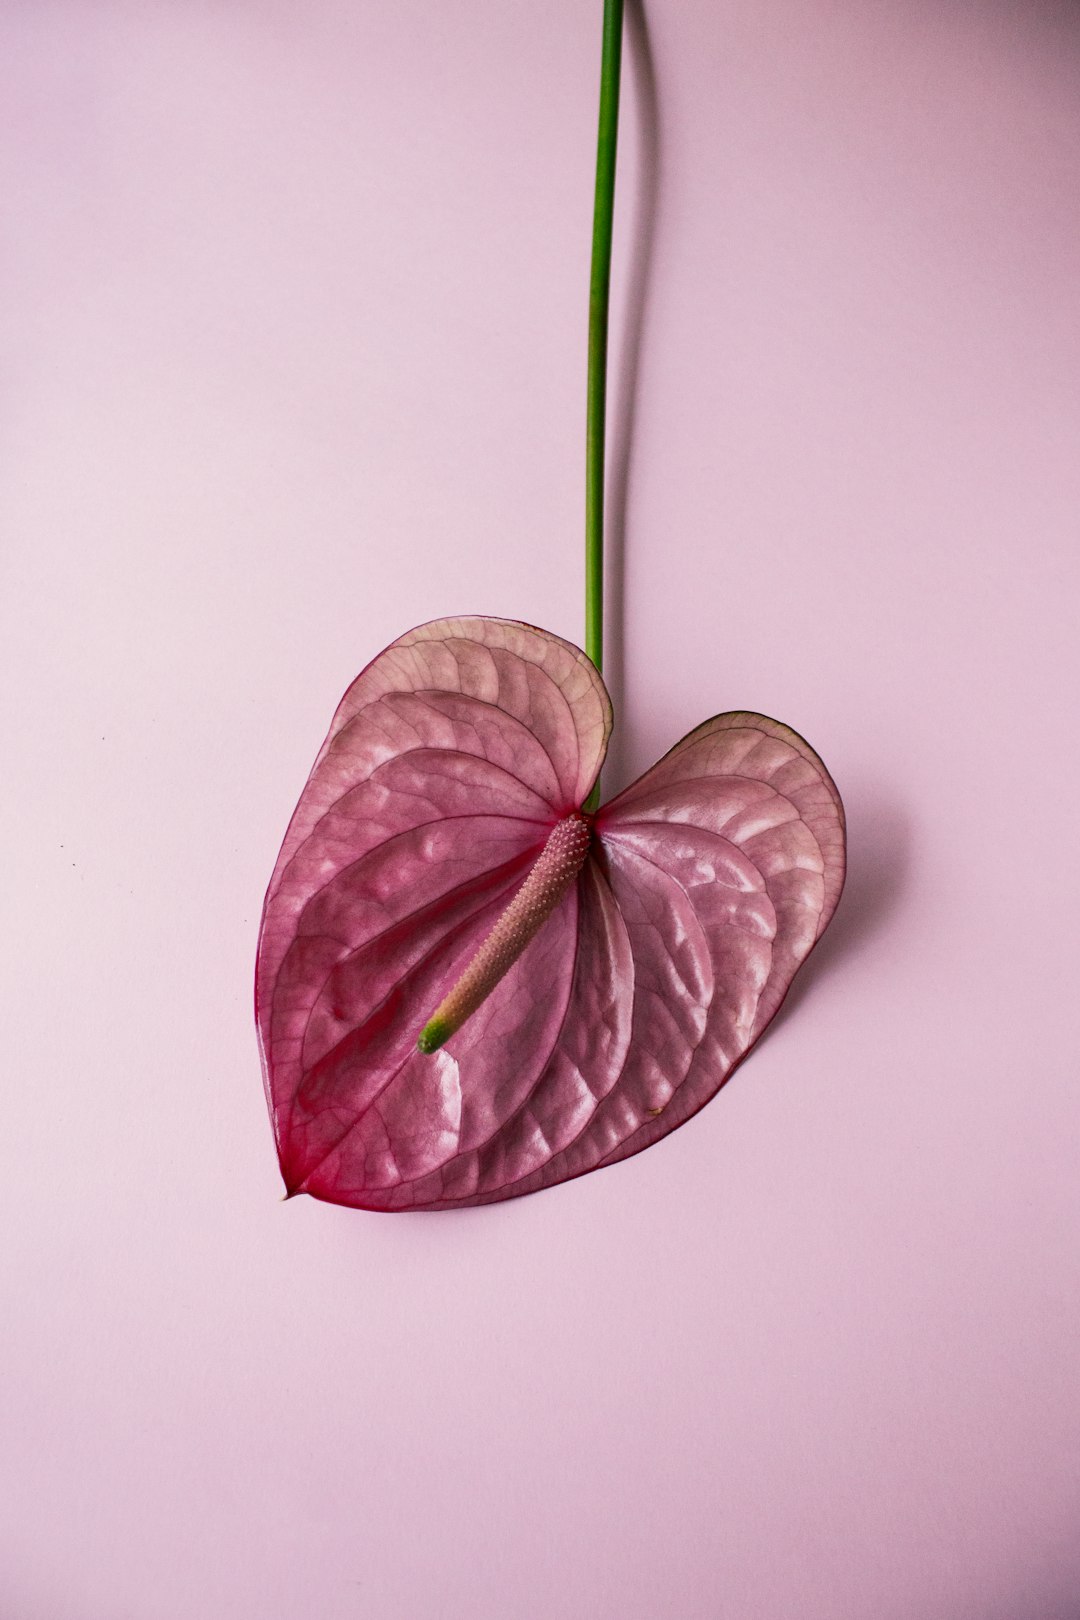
[{"x": 448, "y": 763}]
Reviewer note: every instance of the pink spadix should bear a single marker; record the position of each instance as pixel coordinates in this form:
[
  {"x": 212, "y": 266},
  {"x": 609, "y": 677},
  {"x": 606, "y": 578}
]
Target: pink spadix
[{"x": 559, "y": 863}]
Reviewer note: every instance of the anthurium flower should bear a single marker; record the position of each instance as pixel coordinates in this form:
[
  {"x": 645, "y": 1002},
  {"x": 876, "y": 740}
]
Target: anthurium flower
[{"x": 468, "y": 987}]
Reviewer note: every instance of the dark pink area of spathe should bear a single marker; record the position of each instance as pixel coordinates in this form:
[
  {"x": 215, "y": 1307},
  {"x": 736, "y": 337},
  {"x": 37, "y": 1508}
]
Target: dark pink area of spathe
[{"x": 448, "y": 762}]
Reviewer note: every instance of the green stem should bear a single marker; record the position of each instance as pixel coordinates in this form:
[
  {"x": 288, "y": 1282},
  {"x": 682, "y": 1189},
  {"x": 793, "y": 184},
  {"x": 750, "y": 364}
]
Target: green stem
[{"x": 599, "y": 289}]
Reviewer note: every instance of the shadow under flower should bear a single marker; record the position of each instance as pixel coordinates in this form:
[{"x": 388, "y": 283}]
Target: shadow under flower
[{"x": 879, "y": 859}]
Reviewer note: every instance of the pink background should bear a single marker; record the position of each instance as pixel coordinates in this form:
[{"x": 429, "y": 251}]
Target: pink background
[{"x": 294, "y": 313}]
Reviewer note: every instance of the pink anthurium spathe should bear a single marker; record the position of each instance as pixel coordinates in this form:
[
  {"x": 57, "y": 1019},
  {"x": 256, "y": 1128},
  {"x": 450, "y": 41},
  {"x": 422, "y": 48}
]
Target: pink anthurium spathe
[{"x": 468, "y": 987}]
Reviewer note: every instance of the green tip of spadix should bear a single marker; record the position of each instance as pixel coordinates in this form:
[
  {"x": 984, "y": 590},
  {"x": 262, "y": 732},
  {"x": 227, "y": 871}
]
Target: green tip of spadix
[{"x": 433, "y": 1034}]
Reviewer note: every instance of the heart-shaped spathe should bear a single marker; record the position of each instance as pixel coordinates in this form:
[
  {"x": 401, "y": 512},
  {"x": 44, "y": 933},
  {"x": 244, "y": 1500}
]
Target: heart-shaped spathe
[{"x": 450, "y": 762}]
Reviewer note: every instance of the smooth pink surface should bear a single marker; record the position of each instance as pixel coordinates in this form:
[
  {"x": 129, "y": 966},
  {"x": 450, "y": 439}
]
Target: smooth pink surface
[{"x": 294, "y": 312}]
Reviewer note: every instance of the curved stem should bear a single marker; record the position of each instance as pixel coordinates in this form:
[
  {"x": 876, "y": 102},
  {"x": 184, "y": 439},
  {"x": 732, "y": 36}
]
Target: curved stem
[{"x": 599, "y": 287}]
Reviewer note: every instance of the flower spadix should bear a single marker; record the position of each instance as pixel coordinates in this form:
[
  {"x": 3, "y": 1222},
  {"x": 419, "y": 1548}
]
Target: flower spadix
[
  {"x": 467, "y": 989},
  {"x": 558, "y": 865}
]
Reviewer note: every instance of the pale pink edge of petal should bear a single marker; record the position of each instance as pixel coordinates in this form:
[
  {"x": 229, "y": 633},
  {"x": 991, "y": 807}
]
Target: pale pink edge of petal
[
  {"x": 486, "y": 631},
  {"x": 366, "y": 688},
  {"x": 834, "y": 850}
]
